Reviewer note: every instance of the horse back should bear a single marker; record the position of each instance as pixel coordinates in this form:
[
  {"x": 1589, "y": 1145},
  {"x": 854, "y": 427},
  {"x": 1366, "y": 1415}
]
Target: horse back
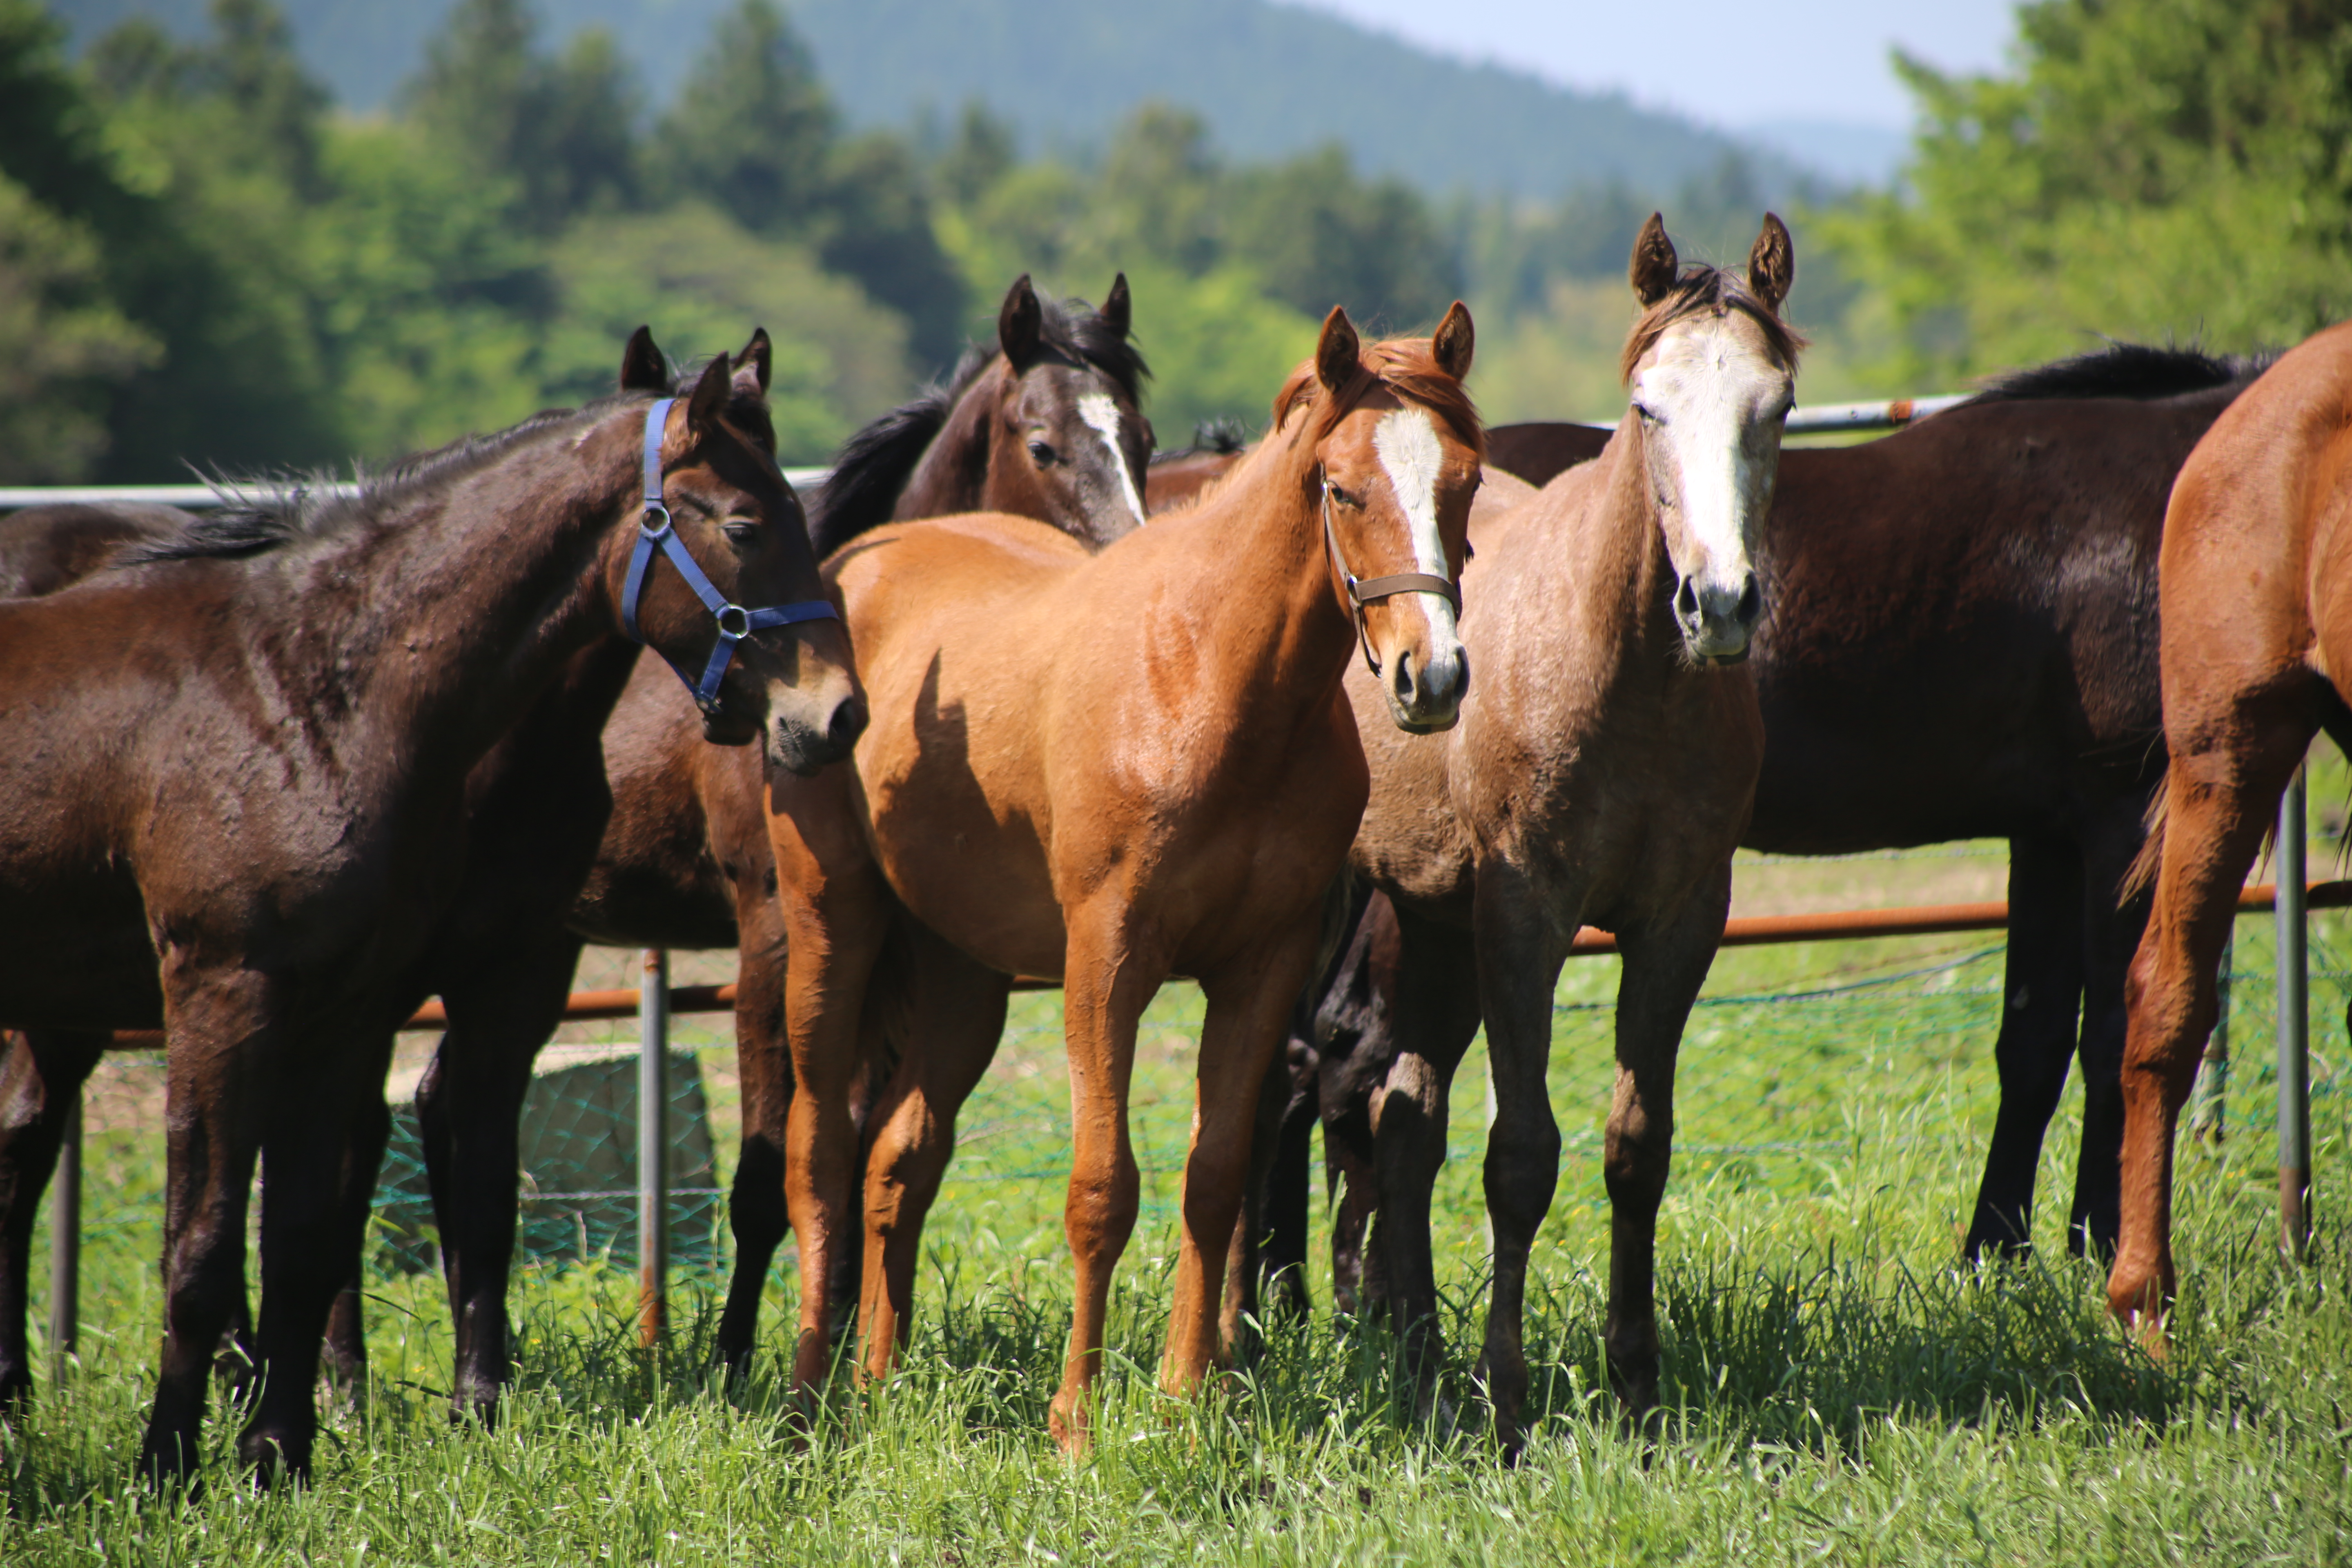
[{"x": 1959, "y": 636}]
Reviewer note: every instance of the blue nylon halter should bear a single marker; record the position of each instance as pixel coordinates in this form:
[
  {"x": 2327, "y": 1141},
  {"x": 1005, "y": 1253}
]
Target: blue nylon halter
[{"x": 735, "y": 622}]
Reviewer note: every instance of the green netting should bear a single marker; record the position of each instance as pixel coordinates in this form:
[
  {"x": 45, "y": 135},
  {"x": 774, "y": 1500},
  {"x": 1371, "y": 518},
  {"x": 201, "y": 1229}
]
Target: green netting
[{"x": 579, "y": 1165}]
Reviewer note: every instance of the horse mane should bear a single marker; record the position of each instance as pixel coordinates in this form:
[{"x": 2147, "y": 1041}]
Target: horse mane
[
  {"x": 1211, "y": 438},
  {"x": 1403, "y": 365},
  {"x": 263, "y": 512},
  {"x": 2142, "y": 372},
  {"x": 873, "y": 465},
  {"x": 1702, "y": 287}
]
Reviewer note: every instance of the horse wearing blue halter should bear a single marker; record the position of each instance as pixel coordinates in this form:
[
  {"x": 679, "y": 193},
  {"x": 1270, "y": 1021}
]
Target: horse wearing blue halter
[{"x": 735, "y": 622}]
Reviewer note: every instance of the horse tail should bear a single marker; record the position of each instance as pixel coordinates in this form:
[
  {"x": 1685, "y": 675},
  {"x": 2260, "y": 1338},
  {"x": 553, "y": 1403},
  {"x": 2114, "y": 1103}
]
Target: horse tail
[{"x": 2150, "y": 858}]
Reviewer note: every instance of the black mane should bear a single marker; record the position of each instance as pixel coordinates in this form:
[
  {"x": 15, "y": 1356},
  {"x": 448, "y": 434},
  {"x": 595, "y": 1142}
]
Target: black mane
[
  {"x": 1211, "y": 438},
  {"x": 2139, "y": 371},
  {"x": 874, "y": 465},
  {"x": 262, "y": 514}
]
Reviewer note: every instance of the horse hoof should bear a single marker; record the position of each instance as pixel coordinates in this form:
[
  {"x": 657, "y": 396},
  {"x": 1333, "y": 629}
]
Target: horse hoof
[{"x": 275, "y": 1458}]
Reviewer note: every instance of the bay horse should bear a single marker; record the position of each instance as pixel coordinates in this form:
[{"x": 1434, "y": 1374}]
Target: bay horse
[
  {"x": 1049, "y": 424},
  {"x": 1960, "y": 642},
  {"x": 1166, "y": 783},
  {"x": 2256, "y": 577},
  {"x": 1602, "y": 774},
  {"x": 305, "y": 687},
  {"x": 535, "y": 808}
]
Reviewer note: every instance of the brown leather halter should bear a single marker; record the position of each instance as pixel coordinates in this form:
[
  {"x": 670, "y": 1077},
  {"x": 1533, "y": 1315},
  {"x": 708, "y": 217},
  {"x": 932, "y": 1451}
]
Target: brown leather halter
[{"x": 1363, "y": 591}]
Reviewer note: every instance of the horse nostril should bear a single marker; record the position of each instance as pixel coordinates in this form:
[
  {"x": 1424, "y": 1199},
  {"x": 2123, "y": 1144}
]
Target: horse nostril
[
  {"x": 1402, "y": 681},
  {"x": 1686, "y": 602},
  {"x": 847, "y": 724},
  {"x": 1752, "y": 601}
]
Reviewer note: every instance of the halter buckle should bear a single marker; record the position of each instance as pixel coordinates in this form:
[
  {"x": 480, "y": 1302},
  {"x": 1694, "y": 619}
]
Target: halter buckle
[
  {"x": 653, "y": 530},
  {"x": 734, "y": 620}
]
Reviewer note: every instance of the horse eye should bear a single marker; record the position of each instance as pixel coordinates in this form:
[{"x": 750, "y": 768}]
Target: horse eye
[
  {"x": 1041, "y": 451},
  {"x": 742, "y": 531},
  {"x": 1648, "y": 417}
]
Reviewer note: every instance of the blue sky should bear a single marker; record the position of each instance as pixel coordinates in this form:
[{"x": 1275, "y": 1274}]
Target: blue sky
[{"x": 1733, "y": 63}]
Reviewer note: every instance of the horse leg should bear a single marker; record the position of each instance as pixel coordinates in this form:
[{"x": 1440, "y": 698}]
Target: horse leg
[
  {"x": 2219, "y": 805},
  {"x": 1518, "y": 956},
  {"x": 1103, "y": 995},
  {"x": 1248, "y": 1005},
  {"x": 307, "y": 1249},
  {"x": 470, "y": 1109},
  {"x": 950, "y": 1035},
  {"x": 43, "y": 1070},
  {"x": 2041, "y": 993},
  {"x": 756, "y": 1214},
  {"x": 346, "y": 1342},
  {"x": 219, "y": 1027},
  {"x": 1358, "y": 1284},
  {"x": 1665, "y": 967},
  {"x": 1433, "y": 1018},
  {"x": 1266, "y": 1268},
  {"x": 2112, "y": 932},
  {"x": 836, "y": 921}
]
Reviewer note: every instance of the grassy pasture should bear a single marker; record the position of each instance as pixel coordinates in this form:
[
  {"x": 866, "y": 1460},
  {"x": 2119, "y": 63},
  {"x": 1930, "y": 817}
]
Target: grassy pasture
[{"x": 1842, "y": 1389}]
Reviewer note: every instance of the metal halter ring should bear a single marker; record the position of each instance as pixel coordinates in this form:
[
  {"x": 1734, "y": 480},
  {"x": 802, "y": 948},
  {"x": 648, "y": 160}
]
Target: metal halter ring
[{"x": 734, "y": 622}]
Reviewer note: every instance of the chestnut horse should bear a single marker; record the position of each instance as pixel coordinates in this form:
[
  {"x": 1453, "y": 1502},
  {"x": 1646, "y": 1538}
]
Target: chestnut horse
[
  {"x": 1049, "y": 425},
  {"x": 306, "y": 688},
  {"x": 2256, "y": 580},
  {"x": 1165, "y": 783},
  {"x": 1960, "y": 643},
  {"x": 1602, "y": 774}
]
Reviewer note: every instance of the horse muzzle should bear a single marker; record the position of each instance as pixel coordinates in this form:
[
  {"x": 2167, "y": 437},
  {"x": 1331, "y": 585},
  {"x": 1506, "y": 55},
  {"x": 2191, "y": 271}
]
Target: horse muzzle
[
  {"x": 1425, "y": 697},
  {"x": 805, "y": 736},
  {"x": 1718, "y": 622}
]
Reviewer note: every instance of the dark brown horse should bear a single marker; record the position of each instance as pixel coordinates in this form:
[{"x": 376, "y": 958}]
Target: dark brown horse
[
  {"x": 1049, "y": 425},
  {"x": 1960, "y": 642},
  {"x": 306, "y": 688},
  {"x": 2257, "y": 656}
]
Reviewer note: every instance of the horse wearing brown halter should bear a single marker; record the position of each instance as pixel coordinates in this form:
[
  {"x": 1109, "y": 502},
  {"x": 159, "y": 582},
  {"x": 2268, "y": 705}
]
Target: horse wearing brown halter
[
  {"x": 1164, "y": 783},
  {"x": 1602, "y": 776},
  {"x": 1049, "y": 425},
  {"x": 2256, "y": 584},
  {"x": 1960, "y": 642},
  {"x": 304, "y": 690}
]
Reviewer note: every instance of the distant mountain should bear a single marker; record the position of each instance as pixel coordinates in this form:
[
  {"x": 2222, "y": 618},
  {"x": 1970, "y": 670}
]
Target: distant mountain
[{"x": 1269, "y": 78}]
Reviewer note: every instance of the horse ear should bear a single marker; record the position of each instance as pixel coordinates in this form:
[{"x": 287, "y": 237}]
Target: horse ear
[
  {"x": 1453, "y": 342},
  {"x": 707, "y": 402},
  {"x": 1772, "y": 263},
  {"x": 1337, "y": 355},
  {"x": 751, "y": 366},
  {"x": 643, "y": 368},
  {"x": 1117, "y": 307},
  {"x": 1652, "y": 272},
  {"x": 1019, "y": 324}
]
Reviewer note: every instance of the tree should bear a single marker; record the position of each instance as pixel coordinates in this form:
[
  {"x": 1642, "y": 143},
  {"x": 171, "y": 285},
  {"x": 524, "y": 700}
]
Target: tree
[
  {"x": 752, "y": 127},
  {"x": 562, "y": 129},
  {"x": 64, "y": 347},
  {"x": 2151, "y": 168},
  {"x": 1319, "y": 237}
]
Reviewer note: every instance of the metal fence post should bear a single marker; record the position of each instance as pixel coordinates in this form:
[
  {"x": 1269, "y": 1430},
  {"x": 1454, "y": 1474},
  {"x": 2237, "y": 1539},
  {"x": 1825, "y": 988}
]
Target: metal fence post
[
  {"x": 64, "y": 1245},
  {"x": 2293, "y": 1029},
  {"x": 2209, "y": 1103},
  {"x": 653, "y": 1147}
]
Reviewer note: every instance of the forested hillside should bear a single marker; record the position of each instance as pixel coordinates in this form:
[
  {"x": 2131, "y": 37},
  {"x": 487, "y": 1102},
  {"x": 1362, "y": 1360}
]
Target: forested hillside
[{"x": 1274, "y": 80}]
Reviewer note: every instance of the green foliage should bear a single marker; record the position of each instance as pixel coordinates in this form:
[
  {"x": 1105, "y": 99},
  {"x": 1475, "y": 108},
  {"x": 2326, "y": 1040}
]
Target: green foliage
[
  {"x": 751, "y": 127},
  {"x": 2152, "y": 168},
  {"x": 63, "y": 344}
]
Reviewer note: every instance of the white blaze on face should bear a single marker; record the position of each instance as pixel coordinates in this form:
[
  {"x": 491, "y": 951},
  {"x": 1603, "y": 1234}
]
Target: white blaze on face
[
  {"x": 1710, "y": 383},
  {"x": 1412, "y": 458},
  {"x": 1101, "y": 414}
]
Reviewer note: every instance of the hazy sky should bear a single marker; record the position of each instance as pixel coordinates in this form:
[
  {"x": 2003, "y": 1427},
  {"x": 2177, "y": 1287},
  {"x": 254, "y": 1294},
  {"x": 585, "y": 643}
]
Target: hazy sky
[{"x": 1730, "y": 62}]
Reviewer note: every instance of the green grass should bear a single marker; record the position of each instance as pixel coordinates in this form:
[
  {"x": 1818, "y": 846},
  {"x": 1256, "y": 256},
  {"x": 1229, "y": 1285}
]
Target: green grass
[{"x": 1840, "y": 1388}]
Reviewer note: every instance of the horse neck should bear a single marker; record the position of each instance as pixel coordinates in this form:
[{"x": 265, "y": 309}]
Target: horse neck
[
  {"x": 1615, "y": 569},
  {"x": 1264, "y": 597},
  {"x": 440, "y": 629},
  {"x": 952, "y": 472}
]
